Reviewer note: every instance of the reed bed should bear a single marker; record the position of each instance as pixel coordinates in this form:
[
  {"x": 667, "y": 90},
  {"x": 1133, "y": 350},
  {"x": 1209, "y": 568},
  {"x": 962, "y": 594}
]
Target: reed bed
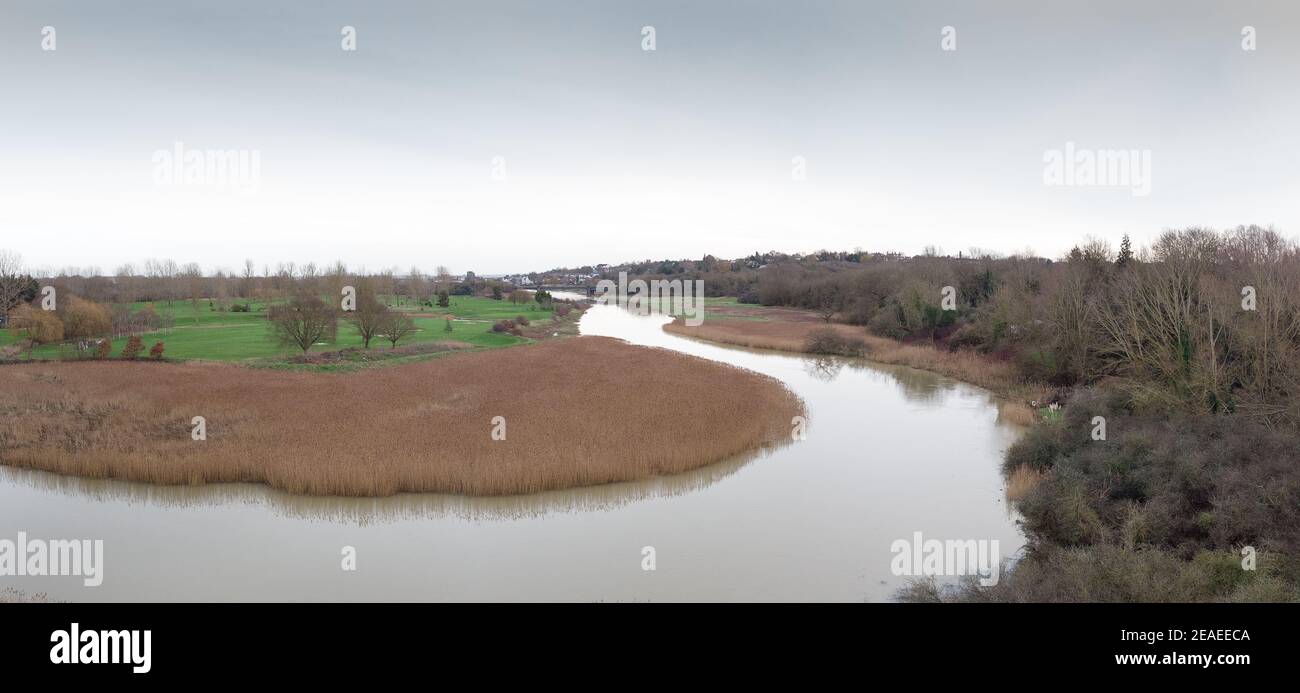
[
  {"x": 792, "y": 335},
  {"x": 578, "y": 412},
  {"x": 758, "y": 334}
]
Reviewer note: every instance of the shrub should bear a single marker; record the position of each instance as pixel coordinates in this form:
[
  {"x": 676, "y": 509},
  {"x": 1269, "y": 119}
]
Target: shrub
[
  {"x": 503, "y": 326},
  {"x": 521, "y": 320},
  {"x": 886, "y": 324},
  {"x": 156, "y": 352},
  {"x": 830, "y": 341},
  {"x": 102, "y": 348},
  {"x": 38, "y": 326},
  {"x": 240, "y": 308},
  {"x": 1176, "y": 482},
  {"x": 84, "y": 319},
  {"x": 1114, "y": 574},
  {"x": 133, "y": 347}
]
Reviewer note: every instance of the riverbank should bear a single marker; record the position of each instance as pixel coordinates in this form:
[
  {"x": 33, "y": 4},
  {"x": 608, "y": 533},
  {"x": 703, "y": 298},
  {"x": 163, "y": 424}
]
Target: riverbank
[
  {"x": 565, "y": 413},
  {"x": 791, "y": 330}
]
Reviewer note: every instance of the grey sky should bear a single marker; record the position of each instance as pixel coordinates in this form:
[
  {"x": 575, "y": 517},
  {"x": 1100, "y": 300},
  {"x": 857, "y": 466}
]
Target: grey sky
[{"x": 384, "y": 156}]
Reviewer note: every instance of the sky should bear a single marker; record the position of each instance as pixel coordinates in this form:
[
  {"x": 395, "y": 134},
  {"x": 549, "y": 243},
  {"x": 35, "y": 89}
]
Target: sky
[{"x": 513, "y": 136}]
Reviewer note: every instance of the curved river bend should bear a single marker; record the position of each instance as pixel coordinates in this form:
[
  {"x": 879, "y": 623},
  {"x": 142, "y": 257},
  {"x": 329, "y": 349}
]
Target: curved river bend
[{"x": 889, "y": 452}]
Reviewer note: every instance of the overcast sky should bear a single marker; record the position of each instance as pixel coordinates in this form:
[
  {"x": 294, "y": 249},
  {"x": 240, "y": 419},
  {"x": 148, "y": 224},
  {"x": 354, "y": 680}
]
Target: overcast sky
[{"x": 385, "y": 156}]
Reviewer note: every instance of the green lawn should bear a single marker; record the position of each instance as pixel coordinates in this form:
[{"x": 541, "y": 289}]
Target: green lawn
[
  {"x": 229, "y": 336},
  {"x": 478, "y": 308}
]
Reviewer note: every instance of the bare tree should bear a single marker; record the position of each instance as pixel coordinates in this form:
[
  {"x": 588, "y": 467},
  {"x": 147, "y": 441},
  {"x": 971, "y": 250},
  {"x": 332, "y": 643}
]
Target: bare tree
[
  {"x": 192, "y": 274},
  {"x": 303, "y": 321},
  {"x": 126, "y": 284},
  {"x": 12, "y": 282},
  {"x": 829, "y": 300},
  {"x": 415, "y": 285},
  {"x": 396, "y": 327},
  {"x": 370, "y": 315},
  {"x": 247, "y": 281}
]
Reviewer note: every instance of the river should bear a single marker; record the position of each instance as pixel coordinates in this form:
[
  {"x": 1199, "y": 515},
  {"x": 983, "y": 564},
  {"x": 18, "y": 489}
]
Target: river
[{"x": 889, "y": 451}]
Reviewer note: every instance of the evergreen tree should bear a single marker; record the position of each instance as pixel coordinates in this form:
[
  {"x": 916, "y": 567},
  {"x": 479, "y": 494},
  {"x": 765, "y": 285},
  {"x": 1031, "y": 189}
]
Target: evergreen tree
[{"x": 1125, "y": 252}]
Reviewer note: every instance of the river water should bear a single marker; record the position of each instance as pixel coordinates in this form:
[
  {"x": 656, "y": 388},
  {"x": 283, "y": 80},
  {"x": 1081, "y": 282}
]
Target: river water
[{"x": 888, "y": 452}]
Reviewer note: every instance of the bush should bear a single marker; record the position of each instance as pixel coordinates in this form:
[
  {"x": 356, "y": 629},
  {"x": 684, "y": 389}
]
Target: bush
[
  {"x": 1113, "y": 574},
  {"x": 37, "y": 326},
  {"x": 830, "y": 341},
  {"x": 240, "y": 308},
  {"x": 133, "y": 347},
  {"x": 885, "y": 323},
  {"x": 504, "y": 326},
  {"x": 521, "y": 320},
  {"x": 102, "y": 348},
  {"x": 1177, "y": 482},
  {"x": 156, "y": 353},
  {"x": 84, "y": 319}
]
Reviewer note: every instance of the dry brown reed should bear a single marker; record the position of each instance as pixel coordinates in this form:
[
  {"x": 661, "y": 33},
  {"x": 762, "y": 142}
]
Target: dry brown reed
[
  {"x": 792, "y": 335},
  {"x": 1021, "y": 481},
  {"x": 578, "y": 412}
]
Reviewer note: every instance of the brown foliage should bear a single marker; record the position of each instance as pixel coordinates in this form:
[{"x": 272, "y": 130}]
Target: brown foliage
[
  {"x": 84, "y": 319},
  {"x": 834, "y": 342},
  {"x": 133, "y": 347},
  {"x": 795, "y": 335},
  {"x": 35, "y": 325},
  {"x": 579, "y": 411}
]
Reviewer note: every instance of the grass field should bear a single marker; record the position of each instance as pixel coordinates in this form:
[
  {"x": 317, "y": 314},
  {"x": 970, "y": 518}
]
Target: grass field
[{"x": 227, "y": 336}]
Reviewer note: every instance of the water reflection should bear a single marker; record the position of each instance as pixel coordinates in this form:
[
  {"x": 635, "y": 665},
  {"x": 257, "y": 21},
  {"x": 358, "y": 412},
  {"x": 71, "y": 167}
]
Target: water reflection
[
  {"x": 823, "y": 368},
  {"x": 368, "y": 511}
]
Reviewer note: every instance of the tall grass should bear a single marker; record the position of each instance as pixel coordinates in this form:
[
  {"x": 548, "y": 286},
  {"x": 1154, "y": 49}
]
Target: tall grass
[
  {"x": 1021, "y": 481},
  {"x": 578, "y": 412},
  {"x": 795, "y": 335}
]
